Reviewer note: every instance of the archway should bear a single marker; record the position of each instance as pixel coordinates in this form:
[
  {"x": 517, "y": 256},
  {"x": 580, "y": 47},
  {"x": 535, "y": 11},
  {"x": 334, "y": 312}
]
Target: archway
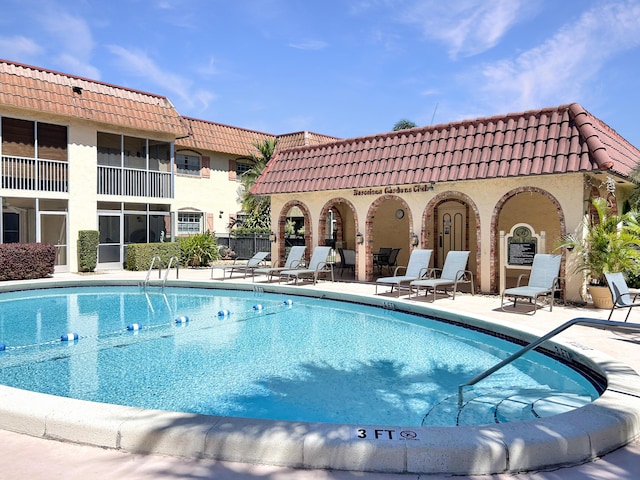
[{"x": 302, "y": 228}]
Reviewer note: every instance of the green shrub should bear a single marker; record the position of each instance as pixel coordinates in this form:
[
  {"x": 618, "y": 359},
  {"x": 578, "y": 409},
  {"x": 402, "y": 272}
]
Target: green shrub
[
  {"x": 199, "y": 250},
  {"x": 24, "y": 261},
  {"x": 88, "y": 250},
  {"x": 139, "y": 255}
]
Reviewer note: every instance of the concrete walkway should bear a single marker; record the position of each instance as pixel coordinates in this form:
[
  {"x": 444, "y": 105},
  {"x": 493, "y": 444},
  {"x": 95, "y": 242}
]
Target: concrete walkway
[{"x": 22, "y": 456}]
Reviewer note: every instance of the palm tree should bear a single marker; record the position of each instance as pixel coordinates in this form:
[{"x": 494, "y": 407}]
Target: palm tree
[{"x": 258, "y": 208}]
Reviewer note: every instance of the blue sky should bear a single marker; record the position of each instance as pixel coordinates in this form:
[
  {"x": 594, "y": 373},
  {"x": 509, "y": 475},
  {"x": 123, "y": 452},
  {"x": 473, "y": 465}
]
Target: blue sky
[{"x": 344, "y": 67}]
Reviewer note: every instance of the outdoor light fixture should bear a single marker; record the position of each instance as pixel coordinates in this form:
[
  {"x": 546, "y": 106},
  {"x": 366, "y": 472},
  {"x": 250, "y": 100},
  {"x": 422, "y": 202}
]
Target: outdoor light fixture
[
  {"x": 414, "y": 240},
  {"x": 272, "y": 237},
  {"x": 359, "y": 238}
]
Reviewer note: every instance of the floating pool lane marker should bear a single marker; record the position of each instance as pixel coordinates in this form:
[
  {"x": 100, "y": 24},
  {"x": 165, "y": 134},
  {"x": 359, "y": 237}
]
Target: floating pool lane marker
[
  {"x": 288, "y": 302},
  {"x": 182, "y": 319},
  {"x": 224, "y": 313},
  {"x": 134, "y": 327},
  {"x": 69, "y": 337},
  {"x": 3, "y": 347},
  {"x": 257, "y": 307}
]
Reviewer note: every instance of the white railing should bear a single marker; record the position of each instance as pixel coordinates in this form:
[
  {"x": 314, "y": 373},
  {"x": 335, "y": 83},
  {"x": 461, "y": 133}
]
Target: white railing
[
  {"x": 20, "y": 173},
  {"x": 133, "y": 182}
]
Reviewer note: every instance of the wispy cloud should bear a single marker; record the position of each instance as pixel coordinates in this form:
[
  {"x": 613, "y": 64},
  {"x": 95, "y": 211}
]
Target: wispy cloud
[
  {"x": 563, "y": 68},
  {"x": 310, "y": 45},
  {"x": 19, "y": 47},
  {"x": 467, "y": 27},
  {"x": 139, "y": 64},
  {"x": 74, "y": 39}
]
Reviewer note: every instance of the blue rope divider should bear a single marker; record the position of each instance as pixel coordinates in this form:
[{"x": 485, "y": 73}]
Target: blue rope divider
[{"x": 182, "y": 320}]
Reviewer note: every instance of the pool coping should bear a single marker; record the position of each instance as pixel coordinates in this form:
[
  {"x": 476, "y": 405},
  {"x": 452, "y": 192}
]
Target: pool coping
[{"x": 571, "y": 438}]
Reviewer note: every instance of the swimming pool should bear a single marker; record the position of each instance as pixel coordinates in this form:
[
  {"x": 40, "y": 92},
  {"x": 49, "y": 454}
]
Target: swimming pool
[
  {"x": 576, "y": 436},
  {"x": 272, "y": 356}
]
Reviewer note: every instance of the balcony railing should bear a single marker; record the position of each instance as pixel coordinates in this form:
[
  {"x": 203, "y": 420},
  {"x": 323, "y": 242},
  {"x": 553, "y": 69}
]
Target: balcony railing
[
  {"x": 20, "y": 173},
  {"x": 134, "y": 182}
]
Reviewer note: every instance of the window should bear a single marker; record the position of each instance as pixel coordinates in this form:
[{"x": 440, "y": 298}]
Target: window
[
  {"x": 188, "y": 164},
  {"x": 241, "y": 168},
  {"x": 19, "y": 139},
  {"x": 189, "y": 223}
]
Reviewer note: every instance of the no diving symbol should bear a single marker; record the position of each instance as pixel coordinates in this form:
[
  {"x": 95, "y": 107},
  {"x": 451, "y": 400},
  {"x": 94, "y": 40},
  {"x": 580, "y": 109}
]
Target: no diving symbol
[{"x": 408, "y": 435}]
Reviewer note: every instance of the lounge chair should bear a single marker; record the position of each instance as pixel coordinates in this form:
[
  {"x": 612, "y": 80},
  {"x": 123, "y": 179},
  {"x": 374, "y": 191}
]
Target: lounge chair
[
  {"x": 453, "y": 272},
  {"x": 347, "y": 259},
  {"x": 293, "y": 260},
  {"x": 249, "y": 267},
  {"x": 317, "y": 266},
  {"x": 620, "y": 293},
  {"x": 543, "y": 281},
  {"x": 417, "y": 268}
]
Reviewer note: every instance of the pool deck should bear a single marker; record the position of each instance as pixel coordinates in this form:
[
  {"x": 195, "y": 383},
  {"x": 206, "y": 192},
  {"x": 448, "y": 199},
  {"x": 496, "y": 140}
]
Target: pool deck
[{"x": 23, "y": 456}]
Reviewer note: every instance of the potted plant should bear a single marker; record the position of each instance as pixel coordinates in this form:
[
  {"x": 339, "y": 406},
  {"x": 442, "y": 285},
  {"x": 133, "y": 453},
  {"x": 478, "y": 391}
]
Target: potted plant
[{"x": 610, "y": 243}]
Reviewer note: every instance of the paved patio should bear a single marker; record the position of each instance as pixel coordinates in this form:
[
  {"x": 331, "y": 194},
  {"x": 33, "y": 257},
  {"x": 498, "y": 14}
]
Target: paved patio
[{"x": 29, "y": 457}]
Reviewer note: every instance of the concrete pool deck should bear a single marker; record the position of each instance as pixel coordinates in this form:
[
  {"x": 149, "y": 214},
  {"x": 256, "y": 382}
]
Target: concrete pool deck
[{"x": 23, "y": 456}]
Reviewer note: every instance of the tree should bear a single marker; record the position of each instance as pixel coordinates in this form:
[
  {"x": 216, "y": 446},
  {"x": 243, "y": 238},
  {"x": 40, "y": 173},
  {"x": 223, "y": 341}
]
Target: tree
[
  {"x": 403, "y": 125},
  {"x": 257, "y": 208}
]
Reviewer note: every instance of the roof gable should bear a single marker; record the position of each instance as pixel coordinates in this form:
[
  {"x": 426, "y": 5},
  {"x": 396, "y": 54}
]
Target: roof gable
[
  {"x": 33, "y": 88},
  {"x": 563, "y": 139}
]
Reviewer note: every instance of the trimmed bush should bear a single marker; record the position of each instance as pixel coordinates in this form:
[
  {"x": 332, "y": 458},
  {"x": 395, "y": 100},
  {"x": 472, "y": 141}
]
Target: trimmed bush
[
  {"x": 88, "y": 250},
  {"x": 139, "y": 255},
  {"x": 25, "y": 261}
]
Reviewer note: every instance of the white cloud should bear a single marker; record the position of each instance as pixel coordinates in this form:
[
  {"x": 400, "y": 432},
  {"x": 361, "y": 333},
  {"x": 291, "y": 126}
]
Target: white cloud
[
  {"x": 19, "y": 47},
  {"x": 467, "y": 27},
  {"x": 139, "y": 64},
  {"x": 562, "y": 69},
  {"x": 310, "y": 45}
]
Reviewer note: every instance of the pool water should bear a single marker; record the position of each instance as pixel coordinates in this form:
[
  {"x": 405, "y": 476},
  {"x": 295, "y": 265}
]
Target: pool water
[{"x": 273, "y": 356}]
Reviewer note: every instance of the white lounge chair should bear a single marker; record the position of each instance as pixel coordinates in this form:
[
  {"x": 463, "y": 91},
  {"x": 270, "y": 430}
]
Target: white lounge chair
[
  {"x": 294, "y": 259},
  {"x": 417, "y": 268},
  {"x": 453, "y": 272},
  {"x": 620, "y": 294},
  {"x": 318, "y": 265},
  {"x": 254, "y": 262},
  {"x": 543, "y": 281}
]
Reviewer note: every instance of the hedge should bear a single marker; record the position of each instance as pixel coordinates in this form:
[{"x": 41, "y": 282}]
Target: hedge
[
  {"x": 25, "y": 261},
  {"x": 139, "y": 255}
]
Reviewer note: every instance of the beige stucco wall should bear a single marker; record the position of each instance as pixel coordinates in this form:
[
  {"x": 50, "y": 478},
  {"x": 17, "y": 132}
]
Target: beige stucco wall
[{"x": 485, "y": 197}]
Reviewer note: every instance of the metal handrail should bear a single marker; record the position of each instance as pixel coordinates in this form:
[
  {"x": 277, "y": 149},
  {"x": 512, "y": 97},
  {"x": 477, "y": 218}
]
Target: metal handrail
[
  {"x": 589, "y": 322},
  {"x": 153, "y": 261},
  {"x": 166, "y": 273}
]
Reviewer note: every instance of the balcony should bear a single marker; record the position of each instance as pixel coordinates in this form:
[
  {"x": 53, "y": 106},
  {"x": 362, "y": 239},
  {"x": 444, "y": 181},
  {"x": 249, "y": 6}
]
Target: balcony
[
  {"x": 35, "y": 174},
  {"x": 134, "y": 182}
]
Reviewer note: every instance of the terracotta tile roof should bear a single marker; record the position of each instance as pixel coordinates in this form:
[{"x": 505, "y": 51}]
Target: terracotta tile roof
[
  {"x": 217, "y": 137},
  {"x": 562, "y": 139},
  {"x": 33, "y": 88}
]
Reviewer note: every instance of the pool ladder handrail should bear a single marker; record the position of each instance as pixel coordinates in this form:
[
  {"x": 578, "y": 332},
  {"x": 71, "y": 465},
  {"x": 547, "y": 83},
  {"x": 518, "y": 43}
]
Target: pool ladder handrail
[
  {"x": 153, "y": 261},
  {"x": 588, "y": 322},
  {"x": 166, "y": 272}
]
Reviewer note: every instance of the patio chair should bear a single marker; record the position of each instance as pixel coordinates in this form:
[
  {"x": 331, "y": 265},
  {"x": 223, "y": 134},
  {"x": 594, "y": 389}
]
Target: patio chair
[
  {"x": 543, "y": 281},
  {"x": 453, "y": 272},
  {"x": 391, "y": 262},
  {"x": 417, "y": 268},
  {"x": 249, "y": 267},
  {"x": 347, "y": 259},
  {"x": 294, "y": 260},
  {"x": 381, "y": 258},
  {"x": 317, "y": 266},
  {"x": 620, "y": 294}
]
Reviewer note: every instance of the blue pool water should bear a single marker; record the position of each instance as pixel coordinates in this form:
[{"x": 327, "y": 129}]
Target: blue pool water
[{"x": 314, "y": 360}]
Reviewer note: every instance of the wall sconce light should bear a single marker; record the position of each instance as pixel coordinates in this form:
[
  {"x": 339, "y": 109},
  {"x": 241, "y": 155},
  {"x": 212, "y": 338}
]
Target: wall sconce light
[
  {"x": 414, "y": 240},
  {"x": 359, "y": 238},
  {"x": 272, "y": 237},
  {"x": 220, "y": 214}
]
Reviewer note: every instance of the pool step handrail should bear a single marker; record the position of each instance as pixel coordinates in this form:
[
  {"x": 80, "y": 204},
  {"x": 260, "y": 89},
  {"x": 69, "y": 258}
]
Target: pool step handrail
[
  {"x": 588, "y": 322},
  {"x": 153, "y": 261},
  {"x": 166, "y": 272}
]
